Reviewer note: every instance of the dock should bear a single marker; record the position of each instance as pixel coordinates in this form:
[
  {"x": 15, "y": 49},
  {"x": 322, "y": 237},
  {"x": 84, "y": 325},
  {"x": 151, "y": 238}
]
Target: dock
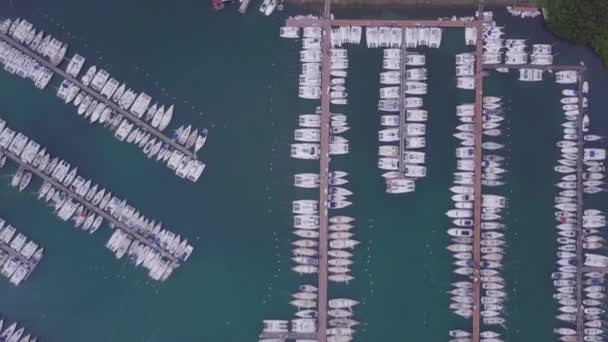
[
  {"x": 309, "y": 22},
  {"x": 288, "y": 336},
  {"x": 477, "y": 176},
  {"x": 578, "y": 68},
  {"x": 59, "y": 186},
  {"x": 126, "y": 114},
  {"x": 324, "y": 175},
  {"x": 402, "y": 109},
  {"x": 580, "y": 315}
]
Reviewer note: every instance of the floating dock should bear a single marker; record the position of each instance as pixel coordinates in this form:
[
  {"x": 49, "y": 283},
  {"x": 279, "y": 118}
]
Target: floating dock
[
  {"x": 309, "y": 22},
  {"x": 580, "y": 315},
  {"x": 58, "y": 185},
  {"x": 126, "y": 114},
  {"x": 402, "y": 109},
  {"x": 288, "y": 336},
  {"x": 478, "y": 175}
]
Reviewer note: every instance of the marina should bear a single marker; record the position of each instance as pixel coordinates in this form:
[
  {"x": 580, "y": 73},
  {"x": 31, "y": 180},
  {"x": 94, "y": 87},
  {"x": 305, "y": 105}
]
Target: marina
[
  {"x": 263, "y": 229},
  {"x": 482, "y": 265},
  {"x": 177, "y": 151},
  {"x": 73, "y": 197}
]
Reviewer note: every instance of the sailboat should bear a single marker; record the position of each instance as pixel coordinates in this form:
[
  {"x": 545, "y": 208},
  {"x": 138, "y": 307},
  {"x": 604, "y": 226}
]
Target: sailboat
[
  {"x": 166, "y": 119},
  {"x": 200, "y": 140}
]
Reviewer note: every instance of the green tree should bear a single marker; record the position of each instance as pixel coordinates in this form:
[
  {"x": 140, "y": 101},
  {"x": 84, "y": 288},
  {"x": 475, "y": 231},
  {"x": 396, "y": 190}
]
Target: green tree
[{"x": 581, "y": 21}]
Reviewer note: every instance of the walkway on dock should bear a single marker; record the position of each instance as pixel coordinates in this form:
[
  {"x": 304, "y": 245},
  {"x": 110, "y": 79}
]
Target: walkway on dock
[
  {"x": 288, "y": 335},
  {"x": 580, "y": 315},
  {"x": 402, "y": 110},
  {"x": 59, "y": 186},
  {"x": 478, "y": 171},
  {"x": 155, "y": 132},
  {"x": 309, "y": 22},
  {"x": 324, "y": 174},
  {"x": 534, "y": 66}
]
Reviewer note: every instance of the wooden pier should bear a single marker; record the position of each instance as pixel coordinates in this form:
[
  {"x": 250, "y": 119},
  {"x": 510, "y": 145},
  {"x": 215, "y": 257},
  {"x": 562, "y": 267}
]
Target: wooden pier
[
  {"x": 288, "y": 335},
  {"x": 126, "y": 114},
  {"x": 477, "y": 176},
  {"x": 324, "y": 174},
  {"x": 59, "y": 186},
  {"x": 578, "y": 68},
  {"x": 309, "y": 22},
  {"x": 580, "y": 315},
  {"x": 402, "y": 110}
]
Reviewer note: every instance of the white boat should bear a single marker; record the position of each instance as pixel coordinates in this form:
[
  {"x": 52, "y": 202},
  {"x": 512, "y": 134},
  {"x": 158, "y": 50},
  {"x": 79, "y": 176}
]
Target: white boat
[{"x": 289, "y": 32}]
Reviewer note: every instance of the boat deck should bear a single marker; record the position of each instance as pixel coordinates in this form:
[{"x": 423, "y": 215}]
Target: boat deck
[
  {"x": 155, "y": 132},
  {"x": 109, "y": 219}
]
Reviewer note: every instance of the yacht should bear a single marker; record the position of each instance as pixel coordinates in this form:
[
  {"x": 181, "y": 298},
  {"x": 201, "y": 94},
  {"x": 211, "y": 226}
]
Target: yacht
[
  {"x": 566, "y": 77},
  {"x": 88, "y": 77},
  {"x": 465, "y": 83},
  {"x": 415, "y": 59},
  {"x": 467, "y": 58},
  {"x": 530, "y": 75},
  {"x": 290, "y": 32},
  {"x": 25, "y": 181},
  {"x": 411, "y": 37},
  {"x": 400, "y": 185}
]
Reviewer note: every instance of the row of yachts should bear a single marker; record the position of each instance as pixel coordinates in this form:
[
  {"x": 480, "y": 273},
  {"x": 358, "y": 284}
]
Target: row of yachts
[
  {"x": 101, "y": 98},
  {"x": 74, "y": 197},
  {"x": 17, "y": 63},
  {"x": 395, "y": 37},
  {"x": 18, "y": 256},
  {"x": 514, "y": 50},
  {"x": 125, "y": 130},
  {"x": 589, "y": 239},
  {"x": 13, "y": 333},
  {"x": 307, "y": 258},
  {"x": 536, "y": 75},
  {"x": 310, "y": 76},
  {"x": 465, "y": 70},
  {"x": 340, "y": 317},
  {"x": 339, "y": 36},
  {"x": 487, "y": 272},
  {"x": 402, "y": 136}
]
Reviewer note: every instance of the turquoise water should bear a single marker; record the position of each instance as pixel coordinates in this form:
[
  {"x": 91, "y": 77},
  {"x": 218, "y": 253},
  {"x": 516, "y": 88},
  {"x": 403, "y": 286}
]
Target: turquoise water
[{"x": 233, "y": 74}]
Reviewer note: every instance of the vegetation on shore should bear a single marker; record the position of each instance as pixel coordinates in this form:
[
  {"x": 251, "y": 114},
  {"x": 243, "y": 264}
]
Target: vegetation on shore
[{"x": 581, "y": 21}]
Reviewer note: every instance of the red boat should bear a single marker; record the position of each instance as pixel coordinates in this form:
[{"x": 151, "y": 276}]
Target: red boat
[{"x": 217, "y": 4}]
